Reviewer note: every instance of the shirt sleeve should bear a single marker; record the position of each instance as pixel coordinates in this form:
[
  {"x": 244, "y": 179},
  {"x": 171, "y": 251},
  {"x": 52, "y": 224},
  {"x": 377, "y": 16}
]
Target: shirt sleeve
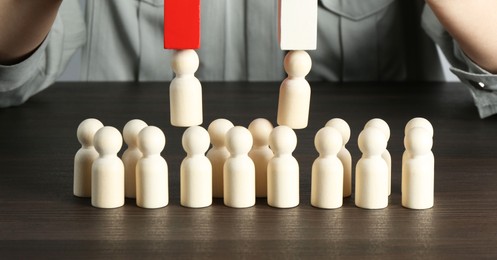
[
  {"x": 481, "y": 83},
  {"x": 20, "y": 81}
]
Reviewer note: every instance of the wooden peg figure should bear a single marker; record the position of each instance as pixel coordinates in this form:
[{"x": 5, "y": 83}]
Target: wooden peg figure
[
  {"x": 327, "y": 170},
  {"x": 371, "y": 191},
  {"x": 283, "y": 169},
  {"x": 131, "y": 155},
  {"x": 85, "y": 156},
  {"x": 344, "y": 154},
  {"x": 152, "y": 186},
  {"x": 218, "y": 154},
  {"x": 295, "y": 91},
  {"x": 415, "y": 122},
  {"x": 297, "y": 32},
  {"x": 182, "y": 34},
  {"x": 196, "y": 169},
  {"x": 239, "y": 170},
  {"x": 419, "y": 170},
  {"x": 107, "y": 173},
  {"x": 260, "y": 153},
  {"x": 185, "y": 90},
  {"x": 383, "y": 126}
]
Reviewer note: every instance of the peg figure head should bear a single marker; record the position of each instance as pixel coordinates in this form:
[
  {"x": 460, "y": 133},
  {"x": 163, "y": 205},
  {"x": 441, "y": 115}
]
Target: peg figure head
[
  {"x": 239, "y": 140},
  {"x": 86, "y": 131},
  {"x": 328, "y": 141},
  {"x": 185, "y": 62},
  {"x": 195, "y": 140},
  {"x": 419, "y": 122},
  {"x": 131, "y": 131},
  {"x": 260, "y": 129},
  {"x": 108, "y": 140},
  {"x": 283, "y": 140},
  {"x": 342, "y": 127},
  {"x": 151, "y": 140},
  {"x": 297, "y": 63},
  {"x": 372, "y": 142},
  {"x": 418, "y": 141},
  {"x": 380, "y": 124},
  {"x": 217, "y": 131}
]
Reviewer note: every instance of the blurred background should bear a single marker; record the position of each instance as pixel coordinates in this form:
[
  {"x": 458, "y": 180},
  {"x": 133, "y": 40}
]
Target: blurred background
[{"x": 72, "y": 70}]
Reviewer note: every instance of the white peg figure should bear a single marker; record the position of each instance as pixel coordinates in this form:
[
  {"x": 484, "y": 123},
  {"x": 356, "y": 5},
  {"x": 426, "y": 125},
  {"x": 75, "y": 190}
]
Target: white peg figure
[
  {"x": 283, "y": 169},
  {"x": 415, "y": 122},
  {"x": 261, "y": 153},
  {"x": 239, "y": 170},
  {"x": 371, "y": 191},
  {"x": 107, "y": 172},
  {"x": 344, "y": 154},
  {"x": 218, "y": 154},
  {"x": 152, "y": 185},
  {"x": 85, "y": 156},
  {"x": 327, "y": 170},
  {"x": 131, "y": 155},
  {"x": 185, "y": 90},
  {"x": 196, "y": 169},
  {"x": 295, "y": 91},
  {"x": 418, "y": 178},
  {"x": 383, "y": 126}
]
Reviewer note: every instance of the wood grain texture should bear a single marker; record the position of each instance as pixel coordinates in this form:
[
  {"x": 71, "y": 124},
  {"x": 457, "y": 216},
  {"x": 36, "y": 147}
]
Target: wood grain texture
[{"x": 39, "y": 216}]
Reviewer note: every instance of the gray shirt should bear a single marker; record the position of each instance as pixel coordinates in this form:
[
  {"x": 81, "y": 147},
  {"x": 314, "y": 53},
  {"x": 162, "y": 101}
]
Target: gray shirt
[{"x": 375, "y": 40}]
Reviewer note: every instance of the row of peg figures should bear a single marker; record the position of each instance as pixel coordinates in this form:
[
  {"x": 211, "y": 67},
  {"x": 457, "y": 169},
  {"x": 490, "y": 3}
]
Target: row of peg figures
[
  {"x": 247, "y": 163},
  {"x": 332, "y": 170}
]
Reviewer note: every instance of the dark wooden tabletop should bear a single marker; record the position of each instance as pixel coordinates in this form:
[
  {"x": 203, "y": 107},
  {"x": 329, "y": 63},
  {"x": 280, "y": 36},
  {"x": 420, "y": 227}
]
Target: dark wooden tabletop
[{"x": 39, "y": 216}]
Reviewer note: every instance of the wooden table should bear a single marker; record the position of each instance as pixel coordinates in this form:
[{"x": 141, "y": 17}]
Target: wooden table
[{"x": 39, "y": 216}]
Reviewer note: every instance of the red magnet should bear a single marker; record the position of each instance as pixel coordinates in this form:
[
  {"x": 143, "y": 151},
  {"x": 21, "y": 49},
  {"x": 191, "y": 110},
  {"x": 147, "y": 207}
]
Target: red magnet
[{"x": 181, "y": 24}]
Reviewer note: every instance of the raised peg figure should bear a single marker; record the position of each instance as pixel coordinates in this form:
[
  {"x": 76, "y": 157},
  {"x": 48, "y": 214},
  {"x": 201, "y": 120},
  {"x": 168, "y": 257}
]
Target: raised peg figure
[
  {"x": 185, "y": 90},
  {"x": 295, "y": 92},
  {"x": 182, "y": 34},
  {"x": 297, "y": 24}
]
